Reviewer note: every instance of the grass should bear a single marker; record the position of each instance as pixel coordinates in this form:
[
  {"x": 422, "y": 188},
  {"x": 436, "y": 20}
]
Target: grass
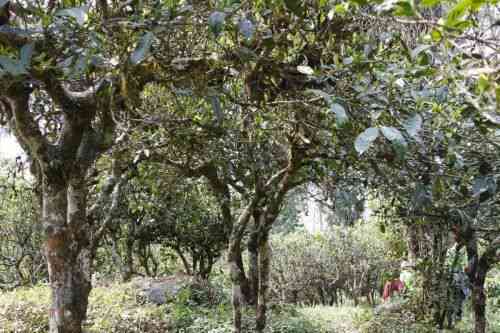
[
  {"x": 113, "y": 308},
  {"x": 337, "y": 319},
  {"x": 119, "y": 307}
]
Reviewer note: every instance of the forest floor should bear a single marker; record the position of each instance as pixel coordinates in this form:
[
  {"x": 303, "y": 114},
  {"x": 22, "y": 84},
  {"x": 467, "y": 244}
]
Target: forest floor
[{"x": 124, "y": 308}]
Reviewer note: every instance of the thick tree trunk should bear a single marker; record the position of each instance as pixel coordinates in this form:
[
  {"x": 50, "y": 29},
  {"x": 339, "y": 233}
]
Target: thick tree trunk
[
  {"x": 70, "y": 292},
  {"x": 264, "y": 273},
  {"x": 68, "y": 257}
]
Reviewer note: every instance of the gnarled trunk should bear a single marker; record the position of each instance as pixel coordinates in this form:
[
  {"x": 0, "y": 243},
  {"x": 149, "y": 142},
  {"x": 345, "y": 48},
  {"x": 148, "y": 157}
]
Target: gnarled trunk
[
  {"x": 70, "y": 291},
  {"x": 68, "y": 256}
]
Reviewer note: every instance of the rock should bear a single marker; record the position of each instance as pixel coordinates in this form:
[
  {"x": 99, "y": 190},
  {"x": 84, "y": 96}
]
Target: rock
[{"x": 160, "y": 291}]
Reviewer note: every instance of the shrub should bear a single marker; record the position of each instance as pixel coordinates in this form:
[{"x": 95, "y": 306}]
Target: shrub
[
  {"x": 112, "y": 308},
  {"x": 25, "y": 310},
  {"x": 316, "y": 269}
]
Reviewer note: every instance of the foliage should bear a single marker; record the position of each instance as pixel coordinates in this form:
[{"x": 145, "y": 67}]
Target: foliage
[
  {"x": 320, "y": 268},
  {"x": 289, "y": 219},
  {"x": 177, "y": 214},
  {"x": 113, "y": 308},
  {"x": 343, "y": 318},
  {"x": 257, "y": 98},
  {"x": 119, "y": 307},
  {"x": 21, "y": 259}
]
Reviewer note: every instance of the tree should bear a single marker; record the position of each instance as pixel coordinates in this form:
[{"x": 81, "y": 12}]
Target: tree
[
  {"x": 62, "y": 118},
  {"x": 458, "y": 112},
  {"x": 175, "y": 213}
]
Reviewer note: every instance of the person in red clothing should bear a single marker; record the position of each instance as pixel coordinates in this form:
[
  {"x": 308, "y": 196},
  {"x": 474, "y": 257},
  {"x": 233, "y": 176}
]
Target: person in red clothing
[{"x": 392, "y": 286}]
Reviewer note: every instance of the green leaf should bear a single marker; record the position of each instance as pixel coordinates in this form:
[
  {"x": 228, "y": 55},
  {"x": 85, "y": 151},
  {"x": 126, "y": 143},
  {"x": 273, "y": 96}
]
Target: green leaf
[
  {"x": 419, "y": 49},
  {"x": 455, "y": 16},
  {"x": 404, "y": 8},
  {"x": 497, "y": 96},
  {"x": 483, "y": 83},
  {"x": 413, "y": 125},
  {"x": 295, "y": 6},
  {"x": 436, "y": 35},
  {"x": 394, "y": 135},
  {"x": 438, "y": 189},
  {"x": 142, "y": 50},
  {"x": 26, "y": 54},
  {"x": 365, "y": 139},
  {"x": 216, "y": 22},
  {"x": 340, "y": 113},
  {"x": 246, "y": 28},
  {"x": 80, "y": 67},
  {"x": 398, "y": 7},
  {"x": 430, "y": 3},
  {"x": 78, "y": 13},
  {"x": 482, "y": 185},
  {"x": 12, "y": 67}
]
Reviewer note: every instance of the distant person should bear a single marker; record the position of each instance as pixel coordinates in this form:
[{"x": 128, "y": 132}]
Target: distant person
[{"x": 391, "y": 287}]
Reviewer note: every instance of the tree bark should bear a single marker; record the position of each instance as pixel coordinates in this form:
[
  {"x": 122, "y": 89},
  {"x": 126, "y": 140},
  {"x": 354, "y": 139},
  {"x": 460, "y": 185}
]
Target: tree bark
[
  {"x": 61, "y": 166},
  {"x": 479, "y": 300},
  {"x": 264, "y": 273},
  {"x": 185, "y": 262},
  {"x": 236, "y": 281},
  {"x": 69, "y": 259},
  {"x": 490, "y": 257},
  {"x": 234, "y": 259},
  {"x": 253, "y": 269}
]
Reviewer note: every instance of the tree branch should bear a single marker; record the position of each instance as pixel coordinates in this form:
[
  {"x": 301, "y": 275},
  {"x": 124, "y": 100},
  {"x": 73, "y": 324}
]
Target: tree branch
[{"x": 25, "y": 127}]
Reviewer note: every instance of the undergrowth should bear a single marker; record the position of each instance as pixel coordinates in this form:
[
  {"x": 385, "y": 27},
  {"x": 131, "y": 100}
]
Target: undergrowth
[{"x": 119, "y": 307}]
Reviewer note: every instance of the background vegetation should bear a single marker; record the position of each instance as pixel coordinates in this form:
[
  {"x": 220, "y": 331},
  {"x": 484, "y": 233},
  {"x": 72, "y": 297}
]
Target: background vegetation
[{"x": 250, "y": 166}]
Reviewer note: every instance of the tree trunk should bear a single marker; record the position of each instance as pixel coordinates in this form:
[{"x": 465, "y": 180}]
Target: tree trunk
[
  {"x": 70, "y": 292},
  {"x": 436, "y": 275},
  {"x": 479, "y": 301},
  {"x": 264, "y": 273},
  {"x": 185, "y": 262},
  {"x": 128, "y": 269},
  {"x": 245, "y": 285},
  {"x": 490, "y": 257},
  {"x": 129, "y": 252},
  {"x": 68, "y": 257},
  {"x": 236, "y": 281},
  {"x": 253, "y": 269}
]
